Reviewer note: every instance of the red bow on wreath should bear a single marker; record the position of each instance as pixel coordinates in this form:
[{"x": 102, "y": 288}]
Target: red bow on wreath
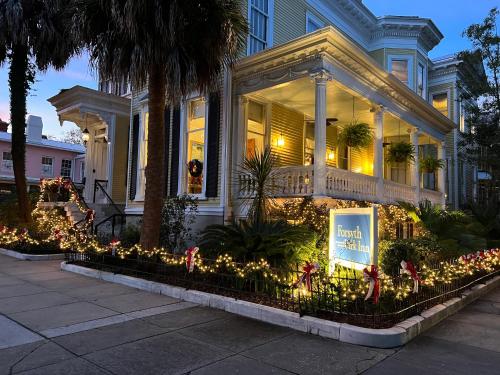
[
  {"x": 190, "y": 258},
  {"x": 408, "y": 268},
  {"x": 371, "y": 276},
  {"x": 305, "y": 278}
]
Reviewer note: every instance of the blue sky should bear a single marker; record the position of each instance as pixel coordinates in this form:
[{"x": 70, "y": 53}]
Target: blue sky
[{"x": 450, "y": 16}]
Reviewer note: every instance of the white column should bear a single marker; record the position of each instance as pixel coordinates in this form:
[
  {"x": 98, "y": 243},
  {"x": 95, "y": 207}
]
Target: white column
[
  {"x": 321, "y": 78},
  {"x": 441, "y": 172},
  {"x": 378, "y": 151},
  {"x": 415, "y": 170}
]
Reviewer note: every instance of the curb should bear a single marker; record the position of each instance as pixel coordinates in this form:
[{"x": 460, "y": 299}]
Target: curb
[
  {"x": 395, "y": 336},
  {"x": 32, "y": 257}
]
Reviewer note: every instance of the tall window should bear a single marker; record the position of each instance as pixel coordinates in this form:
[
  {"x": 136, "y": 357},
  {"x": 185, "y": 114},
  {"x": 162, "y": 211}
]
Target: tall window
[
  {"x": 256, "y": 128},
  {"x": 259, "y": 25},
  {"x": 399, "y": 67},
  {"x": 47, "y": 166},
  {"x": 421, "y": 81},
  {"x": 66, "y": 168},
  {"x": 7, "y": 160},
  {"x": 196, "y": 146},
  {"x": 440, "y": 102},
  {"x": 313, "y": 23}
]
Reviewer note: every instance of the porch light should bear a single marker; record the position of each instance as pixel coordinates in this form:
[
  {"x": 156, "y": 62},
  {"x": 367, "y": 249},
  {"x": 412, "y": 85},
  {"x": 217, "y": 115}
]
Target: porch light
[
  {"x": 85, "y": 136},
  {"x": 281, "y": 141},
  {"x": 331, "y": 155}
]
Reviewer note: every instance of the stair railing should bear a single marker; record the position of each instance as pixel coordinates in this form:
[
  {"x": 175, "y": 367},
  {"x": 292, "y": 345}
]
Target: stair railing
[
  {"x": 114, "y": 222},
  {"x": 99, "y": 185}
]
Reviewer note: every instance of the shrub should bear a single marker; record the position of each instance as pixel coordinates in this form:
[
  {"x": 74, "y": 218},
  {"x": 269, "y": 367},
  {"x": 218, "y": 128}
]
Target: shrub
[
  {"x": 9, "y": 211},
  {"x": 280, "y": 243},
  {"x": 391, "y": 253},
  {"x": 130, "y": 236},
  {"x": 177, "y": 217}
]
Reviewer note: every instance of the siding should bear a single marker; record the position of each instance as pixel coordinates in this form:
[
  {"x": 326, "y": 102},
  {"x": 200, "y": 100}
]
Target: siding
[
  {"x": 289, "y": 20},
  {"x": 290, "y": 123}
]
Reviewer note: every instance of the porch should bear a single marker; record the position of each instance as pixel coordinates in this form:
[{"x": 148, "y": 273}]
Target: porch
[{"x": 297, "y": 101}]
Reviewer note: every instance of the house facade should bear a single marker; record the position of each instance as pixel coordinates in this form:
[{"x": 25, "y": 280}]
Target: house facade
[
  {"x": 310, "y": 67},
  {"x": 45, "y": 158}
]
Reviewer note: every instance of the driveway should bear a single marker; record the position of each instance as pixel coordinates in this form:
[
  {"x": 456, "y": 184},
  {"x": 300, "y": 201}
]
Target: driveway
[{"x": 54, "y": 322}]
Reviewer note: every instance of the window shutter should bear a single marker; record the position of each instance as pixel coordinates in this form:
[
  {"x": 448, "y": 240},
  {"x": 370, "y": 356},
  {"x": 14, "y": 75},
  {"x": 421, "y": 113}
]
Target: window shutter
[
  {"x": 167, "y": 147},
  {"x": 213, "y": 145},
  {"x": 174, "y": 162},
  {"x": 135, "y": 153}
]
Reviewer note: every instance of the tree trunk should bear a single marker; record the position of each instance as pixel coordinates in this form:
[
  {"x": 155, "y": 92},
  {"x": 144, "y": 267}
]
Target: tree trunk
[
  {"x": 19, "y": 82},
  {"x": 155, "y": 169}
]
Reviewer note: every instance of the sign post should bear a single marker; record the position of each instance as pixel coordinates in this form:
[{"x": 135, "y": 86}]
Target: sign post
[{"x": 353, "y": 237}]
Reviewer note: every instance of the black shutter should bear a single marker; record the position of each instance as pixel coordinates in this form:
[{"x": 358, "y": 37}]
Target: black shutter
[
  {"x": 174, "y": 162},
  {"x": 167, "y": 147},
  {"x": 213, "y": 145},
  {"x": 135, "y": 154}
]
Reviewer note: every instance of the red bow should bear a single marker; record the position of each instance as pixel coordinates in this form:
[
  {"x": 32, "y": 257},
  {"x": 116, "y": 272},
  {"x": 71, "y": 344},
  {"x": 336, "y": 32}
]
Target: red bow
[
  {"x": 58, "y": 235},
  {"x": 89, "y": 217},
  {"x": 372, "y": 276},
  {"x": 113, "y": 244},
  {"x": 308, "y": 269},
  {"x": 190, "y": 258}
]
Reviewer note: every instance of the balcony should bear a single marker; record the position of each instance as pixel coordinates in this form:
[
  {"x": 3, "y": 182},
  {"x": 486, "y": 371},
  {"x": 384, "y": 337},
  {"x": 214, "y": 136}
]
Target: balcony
[{"x": 297, "y": 181}]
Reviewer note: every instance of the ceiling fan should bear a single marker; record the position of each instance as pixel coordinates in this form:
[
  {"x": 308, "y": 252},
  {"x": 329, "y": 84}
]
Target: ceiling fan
[{"x": 329, "y": 121}]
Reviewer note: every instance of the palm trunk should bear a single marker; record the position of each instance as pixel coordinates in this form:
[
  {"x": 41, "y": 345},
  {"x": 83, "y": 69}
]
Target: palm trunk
[
  {"x": 19, "y": 84},
  {"x": 155, "y": 169}
]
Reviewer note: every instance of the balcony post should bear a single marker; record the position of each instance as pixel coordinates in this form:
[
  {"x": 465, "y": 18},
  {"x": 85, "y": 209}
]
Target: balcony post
[
  {"x": 441, "y": 173},
  {"x": 415, "y": 167},
  {"x": 320, "y": 78},
  {"x": 378, "y": 151}
]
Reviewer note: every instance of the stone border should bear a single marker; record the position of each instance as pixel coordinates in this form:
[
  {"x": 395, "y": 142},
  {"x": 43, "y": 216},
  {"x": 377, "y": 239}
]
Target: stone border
[
  {"x": 35, "y": 257},
  {"x": 395, "y": 336}
]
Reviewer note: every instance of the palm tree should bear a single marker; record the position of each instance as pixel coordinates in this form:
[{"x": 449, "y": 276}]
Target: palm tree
[
  {"x": 33, "y": 36},
  {"x": 174, "y": 48}
]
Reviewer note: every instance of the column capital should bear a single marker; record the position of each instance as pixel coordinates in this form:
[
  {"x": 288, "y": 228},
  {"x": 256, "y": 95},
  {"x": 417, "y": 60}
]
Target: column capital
[
  {"x": 415, "y": 130},
  {"x": 321, "y": 76},
  {"x": 242, "y": 99},
  {"x": 378, "y": 108}
]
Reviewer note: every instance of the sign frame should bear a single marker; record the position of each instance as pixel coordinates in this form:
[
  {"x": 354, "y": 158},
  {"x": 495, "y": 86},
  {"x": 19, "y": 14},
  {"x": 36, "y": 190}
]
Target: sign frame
[{"x": 373, "y": 237}]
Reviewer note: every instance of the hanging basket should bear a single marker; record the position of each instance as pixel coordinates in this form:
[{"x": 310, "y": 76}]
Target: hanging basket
[
  {"x": 356, "y": 135},
  {"x": 400, "y": 152},
  {"x": 430, "y": 164}
]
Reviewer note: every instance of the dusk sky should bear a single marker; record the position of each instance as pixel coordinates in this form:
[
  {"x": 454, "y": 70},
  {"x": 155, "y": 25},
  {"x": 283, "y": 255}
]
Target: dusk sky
[{"x": 451, "y": 17}]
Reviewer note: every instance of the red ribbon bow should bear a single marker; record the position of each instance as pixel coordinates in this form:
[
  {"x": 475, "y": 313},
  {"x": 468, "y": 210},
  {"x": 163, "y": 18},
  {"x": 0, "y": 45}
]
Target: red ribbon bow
[
  {"x": 113, "y": 245},
  {"x": 371, "y": 275},
  {"x": 308, "y": 269},
  {"x": 190, "y": 258},
  {"x": 89, "y": 217}
]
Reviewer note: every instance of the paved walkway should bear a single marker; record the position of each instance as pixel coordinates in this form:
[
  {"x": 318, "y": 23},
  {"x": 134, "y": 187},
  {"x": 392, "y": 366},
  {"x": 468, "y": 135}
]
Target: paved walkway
[{"x": 54, "y": 322}]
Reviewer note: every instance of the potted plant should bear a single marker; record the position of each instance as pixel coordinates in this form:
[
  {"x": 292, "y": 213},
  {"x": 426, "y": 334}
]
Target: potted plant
[
  {"x": 356, "y": 135},
  {"x": 400, "y": 152},
  {"x": 429, "y": 164}
]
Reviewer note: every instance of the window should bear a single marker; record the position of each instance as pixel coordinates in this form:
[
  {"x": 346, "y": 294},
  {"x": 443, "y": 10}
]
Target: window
[
  {"x": 196, "y": 126},
  {"x": 256, "y": 128},
  {"x": 7, "y": 160},
  {"x": 440, "y": 102},
  {"x": 259, "y": 14},
  {"x": 66, "y": 168},
  {"x": 47, "y": 166},
  {"x": 461, "y": 117},
  {"x": 421, "y": 81},
  {"x": 399, "y": 67},
  {"x": 313, "y": 23}
]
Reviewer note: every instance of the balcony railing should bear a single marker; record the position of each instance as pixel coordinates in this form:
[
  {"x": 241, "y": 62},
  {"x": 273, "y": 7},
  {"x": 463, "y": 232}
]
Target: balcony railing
[{"x": 297, "y": 181}]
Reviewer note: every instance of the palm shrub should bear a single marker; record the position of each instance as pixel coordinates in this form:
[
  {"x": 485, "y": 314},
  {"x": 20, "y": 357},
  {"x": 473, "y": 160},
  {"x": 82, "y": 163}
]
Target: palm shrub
[
  {"x": 357, "y": 135},
  {"x": 392, "y": 252},
  {"x": 177, "y": 217},
  {"x": 34, "y": 35},
  {"x": 173, "y": 48},
  {"x": 282, "y": 244},
  {"x": 429, "y": 164},
  {"x": 400, "y": 152}
]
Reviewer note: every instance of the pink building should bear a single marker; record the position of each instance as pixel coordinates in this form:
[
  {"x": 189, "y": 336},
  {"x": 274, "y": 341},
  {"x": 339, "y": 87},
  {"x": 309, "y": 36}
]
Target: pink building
[{"x": 45, "y": 158}]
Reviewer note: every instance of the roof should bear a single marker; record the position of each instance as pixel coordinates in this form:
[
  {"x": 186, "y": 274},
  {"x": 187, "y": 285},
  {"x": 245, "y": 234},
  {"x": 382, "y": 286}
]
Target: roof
[{"x": 48, "y": 143}]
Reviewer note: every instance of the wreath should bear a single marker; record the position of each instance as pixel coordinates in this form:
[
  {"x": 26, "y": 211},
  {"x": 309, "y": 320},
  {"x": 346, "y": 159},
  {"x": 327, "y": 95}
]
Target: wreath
[{"x": 195, "y": 168}]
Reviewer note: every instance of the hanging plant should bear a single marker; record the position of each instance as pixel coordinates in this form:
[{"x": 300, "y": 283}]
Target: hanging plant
[
  {"x": 400, "y": 152},
  {"x": 356, "y": 135},
  {"x": 429, "y": 164}
]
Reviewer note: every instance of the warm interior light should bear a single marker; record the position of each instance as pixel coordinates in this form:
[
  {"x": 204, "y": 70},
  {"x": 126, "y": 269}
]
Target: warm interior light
[
  {"x": 281, "y": 141},
  {"x": 331, "y": 155},
  {"x": 85, "y": 136}
]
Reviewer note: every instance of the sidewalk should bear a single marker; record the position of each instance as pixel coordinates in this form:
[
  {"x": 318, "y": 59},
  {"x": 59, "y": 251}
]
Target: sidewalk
[{"x": 53, "y": 322}]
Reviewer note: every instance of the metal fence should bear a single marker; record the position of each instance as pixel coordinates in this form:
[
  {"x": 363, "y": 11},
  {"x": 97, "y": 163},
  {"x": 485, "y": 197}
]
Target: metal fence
[{"x": 340, "y": 297}]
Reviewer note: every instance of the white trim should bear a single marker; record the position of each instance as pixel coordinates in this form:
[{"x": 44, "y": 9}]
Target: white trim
[
  {"x": 110, "y": 133},
  {"x": 310, "y": 17},
  {"x": 411, "y": 63}
]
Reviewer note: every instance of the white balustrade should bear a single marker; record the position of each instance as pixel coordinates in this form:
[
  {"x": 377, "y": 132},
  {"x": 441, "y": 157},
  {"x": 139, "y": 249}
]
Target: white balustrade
[
  {"x": 394, "y": 192},
  {"x": 435, "y": 197},
  {"x": 349, "y": 185},
  {"x": 294, "y": 181}
]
